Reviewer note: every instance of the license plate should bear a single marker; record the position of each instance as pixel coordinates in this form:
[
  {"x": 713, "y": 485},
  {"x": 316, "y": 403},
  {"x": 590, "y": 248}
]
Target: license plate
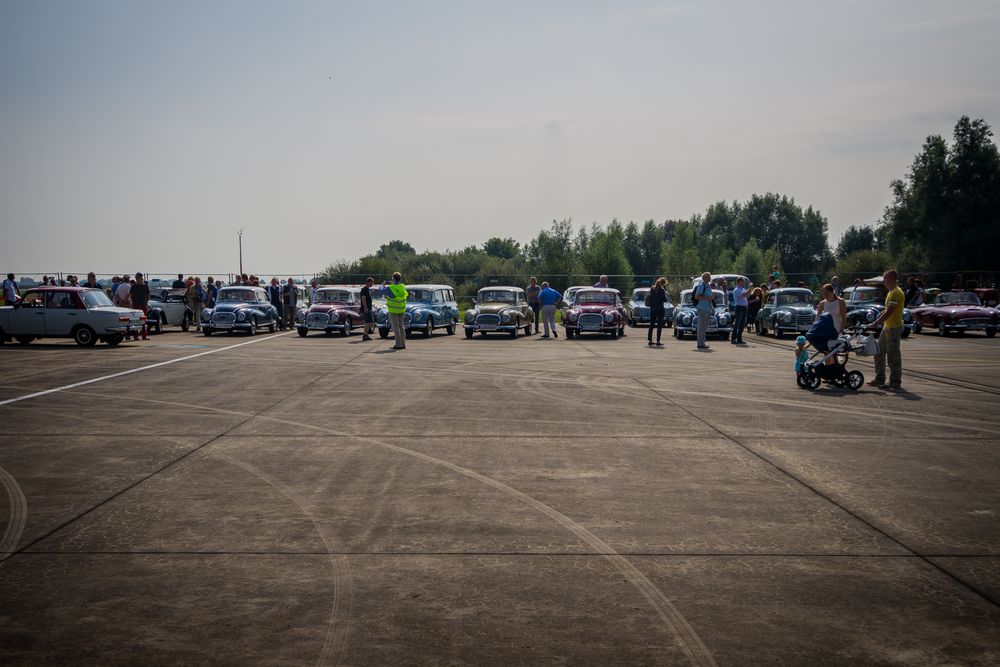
[
  {"x": 590, "y": 327},
  {"x": 487, "y": 327}
]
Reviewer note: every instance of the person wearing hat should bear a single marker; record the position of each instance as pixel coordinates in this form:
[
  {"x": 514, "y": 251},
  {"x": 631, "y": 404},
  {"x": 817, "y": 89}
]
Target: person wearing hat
[
  {"x": 139, "y": 297},
  {"x": 801, "y": 353}
]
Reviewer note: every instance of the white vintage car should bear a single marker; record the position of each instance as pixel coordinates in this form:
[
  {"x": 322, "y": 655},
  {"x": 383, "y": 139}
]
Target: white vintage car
[{"x": 85, "y": 315}]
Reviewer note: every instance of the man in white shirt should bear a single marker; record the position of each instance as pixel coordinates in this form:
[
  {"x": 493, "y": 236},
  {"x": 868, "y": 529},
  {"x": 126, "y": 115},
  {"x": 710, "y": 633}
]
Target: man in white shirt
[
  {"x": 10, "y": 295},
  {"x": 123, "y": 295}
]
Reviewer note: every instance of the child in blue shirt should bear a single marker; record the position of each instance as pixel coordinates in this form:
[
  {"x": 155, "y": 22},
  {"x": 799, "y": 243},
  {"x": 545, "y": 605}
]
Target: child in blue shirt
[{"x": 801, "y": 354}]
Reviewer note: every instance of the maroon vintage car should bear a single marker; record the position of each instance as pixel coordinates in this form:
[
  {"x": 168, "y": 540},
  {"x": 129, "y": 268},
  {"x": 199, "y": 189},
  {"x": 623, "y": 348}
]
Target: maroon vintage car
[
  {"x": 334, "y": 308},
  {"x": 597, "y": 310},
  {"x": 956, "y": 311}
]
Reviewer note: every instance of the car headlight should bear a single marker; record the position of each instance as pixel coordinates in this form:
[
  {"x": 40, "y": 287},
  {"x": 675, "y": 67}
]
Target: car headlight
[
  {"x": 724, "y": 318},
  {"x": 907, "y": 316},
  {"x": 786, "y": 317},
  {"x": 470, "y": 316},
  {"x": 871, "y": 316},
  {"x": 380, "y": 316},
  {"x": 686, "y": 319},
  {"x": 505, "y": 317},
  {"x": 571, "y": 316},
  {"x": 240, "y": 316},
  {"x": 206, "y": 315},
  {"x": 417, "y": 316},
  {"x": 609, "y": 316}
]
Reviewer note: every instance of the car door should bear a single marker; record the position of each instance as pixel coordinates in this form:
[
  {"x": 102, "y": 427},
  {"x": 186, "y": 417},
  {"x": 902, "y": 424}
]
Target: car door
[
  {"x": 442, "y": 313},
  {"x": 28, "y": 318},
  {"x": 61, "y": 313}
]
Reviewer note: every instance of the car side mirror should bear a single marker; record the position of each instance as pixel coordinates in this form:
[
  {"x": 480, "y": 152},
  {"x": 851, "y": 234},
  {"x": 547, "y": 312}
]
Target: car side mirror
[{"x": 473, "y": 300}]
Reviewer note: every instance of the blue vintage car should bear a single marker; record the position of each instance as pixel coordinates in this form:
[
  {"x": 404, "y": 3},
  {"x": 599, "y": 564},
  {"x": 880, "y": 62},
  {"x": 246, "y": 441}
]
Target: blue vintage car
[
  {"x": 638, "y": 311},
  {"x": 240, "y": 309},
  {"x": 428, "y": 307},
  {"x": 720, "y": 323}
]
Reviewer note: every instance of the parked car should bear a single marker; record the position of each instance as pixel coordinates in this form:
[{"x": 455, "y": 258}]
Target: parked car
[
  {"x": 730, "y": 279},
  {"x": 569, "y": 295},
  {"x": 167, "y": 307},
  {"x": 335, "y": 308},
  {"x": 240, "y": 308},
  {"x": 85, "y": 315},
  {"x": 597, "y": 310},
  {"x": 638, "y": 311},
  {"x": 958, "y": 312},
  {"x": 866, "y": 303},
  {"x": 499, "y": 309},
  {"x": 786, "y": 310},
  {"x": 428, "y": 307},
  {"x": 720, "y": 322}
]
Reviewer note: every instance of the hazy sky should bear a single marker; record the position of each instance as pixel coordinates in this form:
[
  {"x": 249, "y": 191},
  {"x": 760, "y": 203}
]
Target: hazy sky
[{"x": 142, "y": 135}]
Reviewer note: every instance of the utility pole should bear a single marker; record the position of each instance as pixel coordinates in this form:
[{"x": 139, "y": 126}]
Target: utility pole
[{"x": 239, "y": 234}]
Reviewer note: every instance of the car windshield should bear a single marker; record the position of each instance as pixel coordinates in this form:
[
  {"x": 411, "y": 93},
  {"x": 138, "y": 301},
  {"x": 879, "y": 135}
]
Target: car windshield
[
  {"x": 332, "y": 296},
  {"x": 496, "y": 296},
  {"x": 958, "y": 299},
  {"x": 94, "y": 299},
  {"x": 594, "y": 297},
  {"x": 418, "y": 294},
  {"x": 235, "y": 295},
  {"x": 687, "y": 298},
  {"x": 877, "y": 294},
  {"x": 640, "y": 295},
  {"x": 795, "y": 299}
]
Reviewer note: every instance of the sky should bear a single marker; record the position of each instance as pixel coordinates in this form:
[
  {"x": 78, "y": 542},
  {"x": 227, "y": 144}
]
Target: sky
[{"x": 143, "y": 135}]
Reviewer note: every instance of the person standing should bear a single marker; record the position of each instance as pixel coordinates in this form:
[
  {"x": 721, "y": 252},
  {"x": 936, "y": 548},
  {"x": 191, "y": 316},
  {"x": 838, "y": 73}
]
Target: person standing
[
  {"x": 313, "y": 286},
  {"x": 395, "y": 302},
  {"x": 139, "y": 298},
  {"x": 704, "y": 298},
  {"x": 289, "y": 302},
  {"x": 367, "y": 314},
  {"x": 10, "y": 291},
  {"x": 179, "y": 283},
  {"x": 549, "y": 297},
  {"x": 274, "y": 296},
  {"x": 197, "y": 299},
  {"x": 835, "y": 284},
  {"x": 602, "y": 282},
  {"x": 92, "y": 281},
  {"x": 657, "y": 311},
  {"x": 892, "y": 335},
  {"x": 532, "y": 291},
  {"x": 742, "y": 305},
  {"x": 211, "y": 291},
  {"x": 123, "y": 293},
  {"x": 754, "y": 302}
]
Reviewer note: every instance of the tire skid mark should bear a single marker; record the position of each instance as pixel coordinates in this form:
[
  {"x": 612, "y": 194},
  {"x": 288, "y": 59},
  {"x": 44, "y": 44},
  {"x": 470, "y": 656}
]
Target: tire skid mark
[
  {"x": 684, "y": 635},
  {"x": 18, "y": 518},
  {"x": 338, "y": 629}
]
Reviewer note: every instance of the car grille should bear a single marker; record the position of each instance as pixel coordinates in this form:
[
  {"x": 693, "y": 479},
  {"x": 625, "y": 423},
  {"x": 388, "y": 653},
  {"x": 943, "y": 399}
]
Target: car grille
[
  {"x": 804, "y": 320},
  {"x": 488, "y": 320},
  {"x": 317, "y": 318},
  {"x": 223, "y": 318},
  {"x": 591, "y": 320},
  {"x": 976, "y": 322}
]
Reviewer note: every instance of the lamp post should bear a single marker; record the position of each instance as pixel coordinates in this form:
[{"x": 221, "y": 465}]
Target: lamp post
[{"x": 239, "y": 234}]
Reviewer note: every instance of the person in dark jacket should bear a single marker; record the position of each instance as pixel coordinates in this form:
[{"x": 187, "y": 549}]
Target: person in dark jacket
[
  {"x": 657, "y": 310},
  {"x": 274, "y": 296}
]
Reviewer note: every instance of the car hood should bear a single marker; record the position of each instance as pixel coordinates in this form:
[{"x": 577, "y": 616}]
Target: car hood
[
  {"x": 801, "y": 310},
  {"x": 969, "y": 311},
  {"x": 114, "y": 310},
  {"x": 493, "y": 308},
  {"x": 230, "y": 306},
  {"x": 593, "y": 307},
  {"x": 329, "y": 307}
]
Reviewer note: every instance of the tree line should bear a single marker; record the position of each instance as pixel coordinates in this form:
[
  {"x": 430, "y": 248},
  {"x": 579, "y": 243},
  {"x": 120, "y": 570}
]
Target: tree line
[{"x": 943, "y": 218}]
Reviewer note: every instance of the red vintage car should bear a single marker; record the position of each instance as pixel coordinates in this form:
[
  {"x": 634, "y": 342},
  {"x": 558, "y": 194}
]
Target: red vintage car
[
  {"x": 597, "y": 310},
  {"x": 956, "y": 311},
  {"x": 334, "y": 308}
]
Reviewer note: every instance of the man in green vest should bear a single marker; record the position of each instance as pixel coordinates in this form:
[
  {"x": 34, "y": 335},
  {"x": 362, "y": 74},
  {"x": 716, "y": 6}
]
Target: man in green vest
[{"x": 395, "y": 302}]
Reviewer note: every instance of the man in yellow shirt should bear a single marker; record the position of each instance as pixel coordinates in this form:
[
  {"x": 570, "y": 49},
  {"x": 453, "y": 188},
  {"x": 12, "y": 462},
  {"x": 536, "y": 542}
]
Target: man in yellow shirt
[{"x": 892, "y": 335}]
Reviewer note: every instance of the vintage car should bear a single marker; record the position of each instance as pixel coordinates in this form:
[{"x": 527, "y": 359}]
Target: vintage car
[
  {"x": 240, "y": 308},
  {"x": 720, "y": 323},
  {"x": 168, "y": 307},
  {"x": 85, "y": 315},
  {"x": 786, "y": 310},
  {"x": 428, "y": 307},
  {"x": 638, "y": 311},
  {"x": 958, "y": 312},
  {"x": 499, "y": 309},
  {"x": 866, "y": 303},
  {"x": 597, "y": 310},
  {"x": 335, "y": 308},
  {"x": 730, "y": 279},
  {"x": 570, "y": 294}
]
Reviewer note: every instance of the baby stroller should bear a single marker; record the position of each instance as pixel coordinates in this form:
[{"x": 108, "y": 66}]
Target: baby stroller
[{"x": 816, "y": 371}]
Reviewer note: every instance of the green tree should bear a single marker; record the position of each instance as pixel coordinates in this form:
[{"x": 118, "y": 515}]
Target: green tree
[
  {"x": 503, "y": 248},
  {"x": 750, "y": 262},
  {"x": 395, "y": 248},
  {"x": 680, "y": 256},
  {"x": 862, "y": 264},
  {"x": 856, "y": 238},
  {"x": 651, "y": 243},
  {"x": 552, "y": 254},
  {"x": 776, "y": 221},
  {"x": 605, "y": 254},
  {"x": 633, "y": 244}
]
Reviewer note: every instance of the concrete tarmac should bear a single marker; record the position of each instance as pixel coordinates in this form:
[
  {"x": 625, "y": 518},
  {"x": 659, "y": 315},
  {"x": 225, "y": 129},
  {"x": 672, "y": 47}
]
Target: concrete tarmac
[{"x": 328, "y": 501}]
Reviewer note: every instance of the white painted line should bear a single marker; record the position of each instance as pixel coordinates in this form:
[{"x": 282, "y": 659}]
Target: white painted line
[{"x": 137, "y": 370}]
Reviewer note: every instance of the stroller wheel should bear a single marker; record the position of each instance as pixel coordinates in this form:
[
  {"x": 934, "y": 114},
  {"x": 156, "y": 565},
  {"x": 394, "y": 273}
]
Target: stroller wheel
[
  {"x": 855, "y": 379},
  {"x": 814, "y": 380},
  {"x": 802, "y": 380}
]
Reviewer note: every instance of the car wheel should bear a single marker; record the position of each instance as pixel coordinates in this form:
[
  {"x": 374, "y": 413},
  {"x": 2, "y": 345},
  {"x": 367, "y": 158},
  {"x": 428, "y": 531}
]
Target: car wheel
[
  {"x": 677, "y": 333},
  {"x": 777, "y": 332},
  {"x": 429, "y": 331},
  {"x": 114, "y": 339},
  {"x": 917, "y": 328},
  {"x": 252, "y": 330},
  {"x": 346, "y": 331},
  {"x": 468, "y": 333},
  {"x": 570, "y": 333},
  {"x": 906, "y": 333},
  {"x": 85, "y": 336},
  {"x": 483, "y": 334},
  {"x": 383, "y": 333},
  {"x": 990, "y": 333},
  {"x": 303, "y": 332},
  {"x": 513, "y": 334},
  {"x": 157, "y": 326},
  {"x": 272, "y": 327},
  {"x": 527, "y": 329},
  {"x": 942, "y": 331},
  {"x": 450, "y": 329},
  {"x": 24, "y": 340},
  {"x": 855, "y": 380},
  {"x": 206, "y": 331},
  {"x": 186, "y": 322}
]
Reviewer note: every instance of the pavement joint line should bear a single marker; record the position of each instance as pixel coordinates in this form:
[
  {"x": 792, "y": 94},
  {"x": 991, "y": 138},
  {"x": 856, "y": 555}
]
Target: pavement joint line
[
  {"x": 519, "y": 554},
  {"x": 926, "y": 559},
  {"x": 177, "y": 460},
  {"x": 138, "y": 370}
]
